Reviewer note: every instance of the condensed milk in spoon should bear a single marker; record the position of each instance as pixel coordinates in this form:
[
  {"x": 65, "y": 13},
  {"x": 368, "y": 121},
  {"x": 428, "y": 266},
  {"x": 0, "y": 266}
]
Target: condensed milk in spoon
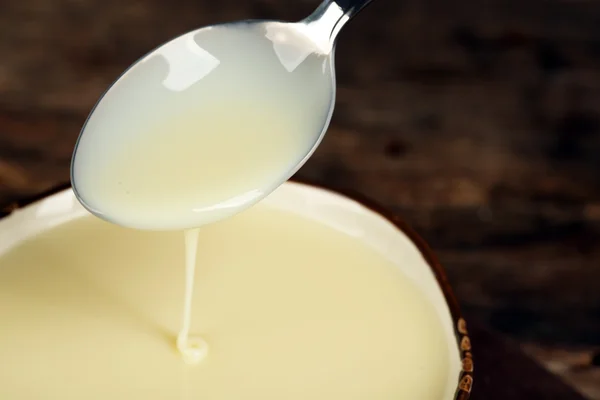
[{"x": 211, "y": 122}]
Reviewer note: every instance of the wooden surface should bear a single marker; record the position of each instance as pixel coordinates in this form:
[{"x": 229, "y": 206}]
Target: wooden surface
[
  {"x": 502, "y": 372},
  {"x": 478, "y": 120}
]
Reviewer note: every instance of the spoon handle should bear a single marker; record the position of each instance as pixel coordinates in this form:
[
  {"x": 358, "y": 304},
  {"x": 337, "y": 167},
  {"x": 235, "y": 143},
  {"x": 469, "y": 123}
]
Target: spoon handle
[
  {"x": 351, "y": 7},
  {"x": 329, "y": 18}
]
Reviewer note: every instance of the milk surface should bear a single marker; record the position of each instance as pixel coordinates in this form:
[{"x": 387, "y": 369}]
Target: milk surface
[{"x": 290, "y": 308}]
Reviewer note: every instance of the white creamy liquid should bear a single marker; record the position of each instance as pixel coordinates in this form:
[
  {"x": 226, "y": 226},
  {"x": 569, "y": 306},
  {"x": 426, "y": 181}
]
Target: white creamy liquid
[
  {"x": 194, "y": 348},
  {"x": 291, "y": 308},
  {"x": 204, "y": 127}
]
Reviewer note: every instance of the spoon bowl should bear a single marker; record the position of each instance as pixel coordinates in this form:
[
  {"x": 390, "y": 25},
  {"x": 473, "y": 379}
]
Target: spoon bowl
[{"x": 210, "y": 122}]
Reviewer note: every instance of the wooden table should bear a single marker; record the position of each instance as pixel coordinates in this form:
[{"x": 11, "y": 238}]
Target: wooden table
[
  {"x": 503, "y": 372},
  {"x": 478, "y": 121}
]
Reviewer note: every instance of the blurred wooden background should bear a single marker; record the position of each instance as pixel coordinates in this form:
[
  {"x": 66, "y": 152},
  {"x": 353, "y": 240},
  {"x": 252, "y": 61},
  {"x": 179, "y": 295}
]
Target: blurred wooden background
[{"x": 478, "y": 120}]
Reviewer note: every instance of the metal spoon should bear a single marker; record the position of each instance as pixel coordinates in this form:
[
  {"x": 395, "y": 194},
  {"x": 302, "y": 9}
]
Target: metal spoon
[{"x": 173, "y": 71}]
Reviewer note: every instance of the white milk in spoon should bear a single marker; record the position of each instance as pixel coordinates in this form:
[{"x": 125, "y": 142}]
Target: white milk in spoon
[{"x": 204, "y": 127}]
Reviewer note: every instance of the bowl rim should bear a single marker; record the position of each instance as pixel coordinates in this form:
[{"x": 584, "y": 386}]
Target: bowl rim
[{"x": 465, "y": 381}]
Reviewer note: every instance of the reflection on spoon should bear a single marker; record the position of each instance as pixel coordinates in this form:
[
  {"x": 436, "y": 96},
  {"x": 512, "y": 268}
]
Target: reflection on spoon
[
  {"x": 291, "y": 46},
  {"x": 234, "y": 203},
  {"x": 188, "y": 62}
]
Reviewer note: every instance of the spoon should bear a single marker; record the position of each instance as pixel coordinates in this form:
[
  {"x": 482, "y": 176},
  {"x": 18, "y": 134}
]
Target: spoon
[{"x": 211, "y": 122}]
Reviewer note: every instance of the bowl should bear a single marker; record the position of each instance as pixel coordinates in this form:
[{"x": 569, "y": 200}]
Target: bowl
[{"x": 354, "y": 214}]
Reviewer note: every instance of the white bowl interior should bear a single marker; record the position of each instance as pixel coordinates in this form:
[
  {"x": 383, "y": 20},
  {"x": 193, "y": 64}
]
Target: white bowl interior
[{"x": 332, "y": 209}]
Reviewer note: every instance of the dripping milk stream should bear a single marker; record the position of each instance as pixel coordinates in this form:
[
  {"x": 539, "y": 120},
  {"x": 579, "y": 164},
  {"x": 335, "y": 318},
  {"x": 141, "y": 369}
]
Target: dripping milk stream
[{"x": 193, "y": 348}]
